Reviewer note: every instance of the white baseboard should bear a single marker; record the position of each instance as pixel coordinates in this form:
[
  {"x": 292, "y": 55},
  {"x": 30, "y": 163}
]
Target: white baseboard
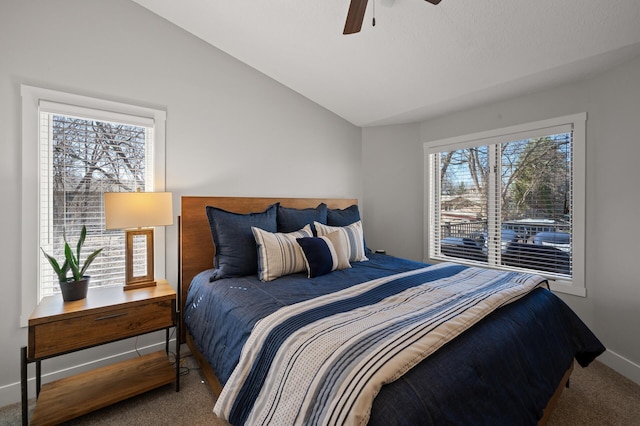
[
  {"x": 11, "y": 393},
  {"x": 617, "y": 362}
]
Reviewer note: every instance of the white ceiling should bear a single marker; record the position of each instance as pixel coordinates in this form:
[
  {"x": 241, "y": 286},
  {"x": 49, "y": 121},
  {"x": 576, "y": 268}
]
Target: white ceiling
[{"x": 420, "y": 60}]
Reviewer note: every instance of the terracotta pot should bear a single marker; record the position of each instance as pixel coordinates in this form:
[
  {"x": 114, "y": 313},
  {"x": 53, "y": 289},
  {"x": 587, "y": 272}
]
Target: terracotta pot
[{"x": 74, "y": 290}]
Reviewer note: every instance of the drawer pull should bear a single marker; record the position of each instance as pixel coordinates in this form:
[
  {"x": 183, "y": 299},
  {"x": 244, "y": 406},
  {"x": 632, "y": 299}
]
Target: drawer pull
[{"x": 110, "y": 316}]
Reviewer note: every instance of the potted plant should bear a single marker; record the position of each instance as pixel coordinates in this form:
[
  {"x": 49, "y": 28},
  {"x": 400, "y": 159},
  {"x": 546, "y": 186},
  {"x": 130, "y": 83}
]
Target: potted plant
[{"x": 73, "y": 287}]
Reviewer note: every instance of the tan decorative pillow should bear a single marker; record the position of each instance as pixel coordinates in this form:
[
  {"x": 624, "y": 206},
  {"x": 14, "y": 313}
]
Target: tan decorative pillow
[
  {"x": 351, "y": 236},
  {"x": 279, "y": 253}
]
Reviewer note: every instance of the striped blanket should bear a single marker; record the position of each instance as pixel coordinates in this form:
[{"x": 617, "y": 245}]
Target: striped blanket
[{"x": 324, "y": 360}]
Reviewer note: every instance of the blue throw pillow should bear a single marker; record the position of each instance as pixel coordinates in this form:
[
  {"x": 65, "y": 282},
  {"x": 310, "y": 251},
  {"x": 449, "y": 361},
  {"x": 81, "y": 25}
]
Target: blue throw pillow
[
  {"x": 236, "y": 253},
  {"x": 291, "y": 220},
  {"x": 324, "y": 254},
  {"x": 343, "y": 217}
]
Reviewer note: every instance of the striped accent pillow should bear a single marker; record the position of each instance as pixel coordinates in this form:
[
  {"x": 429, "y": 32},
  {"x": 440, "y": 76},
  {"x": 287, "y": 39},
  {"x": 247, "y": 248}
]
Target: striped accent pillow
[
  {"x": 279, "y": 253},
  {"x": 341, "y": 249},
  {"x": 350, "y": 236},
  {"x": 322, "y": 256}
]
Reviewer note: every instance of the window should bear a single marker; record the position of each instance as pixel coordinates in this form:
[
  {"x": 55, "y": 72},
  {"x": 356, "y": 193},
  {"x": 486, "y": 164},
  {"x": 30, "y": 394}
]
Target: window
[
  {"x": 511, "y": 199},
  {"x": 74, "y": 149}
]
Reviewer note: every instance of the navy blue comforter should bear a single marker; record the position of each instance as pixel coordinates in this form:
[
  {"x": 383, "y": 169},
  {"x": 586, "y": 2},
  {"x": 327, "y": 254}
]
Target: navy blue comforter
[{"x": 502, "y": 371}]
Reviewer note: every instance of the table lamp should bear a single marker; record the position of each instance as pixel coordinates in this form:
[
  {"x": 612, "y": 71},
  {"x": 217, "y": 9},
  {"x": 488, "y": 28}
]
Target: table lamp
[{"x": 136, "y": 212}]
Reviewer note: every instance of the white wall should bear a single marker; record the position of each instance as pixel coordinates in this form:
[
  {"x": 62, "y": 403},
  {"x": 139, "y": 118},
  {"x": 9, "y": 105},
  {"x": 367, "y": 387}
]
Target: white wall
[
  {"x": 230, "y": 129},
  {"x": 392, "y": 197},
  {"x": 612, "y": 102}
]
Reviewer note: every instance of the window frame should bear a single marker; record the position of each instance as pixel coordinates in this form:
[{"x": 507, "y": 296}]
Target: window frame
[
  {"x": 105, "y": 109},
  {"x": 575, "y": 285}
]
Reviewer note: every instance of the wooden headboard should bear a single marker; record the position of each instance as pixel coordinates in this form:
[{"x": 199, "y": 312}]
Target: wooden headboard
[{"x": 196, "y": 243}]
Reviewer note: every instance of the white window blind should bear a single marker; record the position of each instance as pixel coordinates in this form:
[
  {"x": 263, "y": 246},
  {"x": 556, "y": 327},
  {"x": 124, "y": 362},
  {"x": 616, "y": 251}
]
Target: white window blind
[
  {"x": 507, "y": 200},
  {"x": 83, "y": 154}
]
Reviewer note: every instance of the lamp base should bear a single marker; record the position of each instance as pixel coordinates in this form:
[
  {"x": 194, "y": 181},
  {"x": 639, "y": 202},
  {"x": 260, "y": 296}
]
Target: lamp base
[
  {"x": 143, "y": 238},
  {"x": 142, "y": 284}
]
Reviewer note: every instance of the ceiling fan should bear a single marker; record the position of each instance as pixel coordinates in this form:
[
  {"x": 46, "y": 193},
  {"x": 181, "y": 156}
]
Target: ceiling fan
[{"x": 356, "y": 15}]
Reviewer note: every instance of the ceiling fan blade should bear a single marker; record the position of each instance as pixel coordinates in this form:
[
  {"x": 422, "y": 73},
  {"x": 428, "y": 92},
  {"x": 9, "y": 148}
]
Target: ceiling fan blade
[
  {"x": 433, "y": 1},
  {"x": 355, "y": 16}
]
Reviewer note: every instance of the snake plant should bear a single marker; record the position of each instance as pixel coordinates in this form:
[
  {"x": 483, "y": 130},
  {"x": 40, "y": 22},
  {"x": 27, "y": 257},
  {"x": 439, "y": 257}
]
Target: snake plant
[{"x": 72, "y": 260}]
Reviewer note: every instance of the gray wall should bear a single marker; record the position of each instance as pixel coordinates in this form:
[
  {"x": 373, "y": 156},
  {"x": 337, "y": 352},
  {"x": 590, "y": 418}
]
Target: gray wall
[
  {"x": 612, "y": 102},
  {"x": 230, "y": 129},
  {"x": 392, "y": 190}
]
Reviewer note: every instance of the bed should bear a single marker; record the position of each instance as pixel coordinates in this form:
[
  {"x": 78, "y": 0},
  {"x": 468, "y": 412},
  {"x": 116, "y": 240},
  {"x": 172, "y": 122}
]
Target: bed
[{"x": 508, "y": 367}]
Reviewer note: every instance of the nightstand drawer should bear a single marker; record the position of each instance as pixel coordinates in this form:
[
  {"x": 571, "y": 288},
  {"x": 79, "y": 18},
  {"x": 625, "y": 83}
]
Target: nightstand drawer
[{"x": 83, "y": 331}]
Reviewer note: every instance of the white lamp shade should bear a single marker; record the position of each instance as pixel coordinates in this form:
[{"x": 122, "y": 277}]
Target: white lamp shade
[{"x": 124, "y": 210}]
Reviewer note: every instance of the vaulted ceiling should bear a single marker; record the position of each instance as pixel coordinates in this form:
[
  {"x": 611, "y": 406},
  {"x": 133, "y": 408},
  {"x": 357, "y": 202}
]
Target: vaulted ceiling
[{"x": 420, "y": 60}]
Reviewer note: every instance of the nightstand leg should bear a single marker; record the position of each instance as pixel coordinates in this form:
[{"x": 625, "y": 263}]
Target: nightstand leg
[
  {"x": 166, "y": 342},
  {"x": 24, "y": 386},
  {"x": 38, "y": 377},
  {"x": 178, "y": 339}
]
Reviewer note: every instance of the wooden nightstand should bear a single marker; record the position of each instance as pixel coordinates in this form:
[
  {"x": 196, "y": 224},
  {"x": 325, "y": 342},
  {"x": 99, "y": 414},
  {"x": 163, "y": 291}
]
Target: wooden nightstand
[{"x": 106, "y": 315}]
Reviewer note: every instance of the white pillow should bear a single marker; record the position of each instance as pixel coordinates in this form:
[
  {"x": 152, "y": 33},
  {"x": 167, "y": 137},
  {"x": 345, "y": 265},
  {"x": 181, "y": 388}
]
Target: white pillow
[
  {"x": 351, "y": 236},
  {"x": 279, "y": 253}
]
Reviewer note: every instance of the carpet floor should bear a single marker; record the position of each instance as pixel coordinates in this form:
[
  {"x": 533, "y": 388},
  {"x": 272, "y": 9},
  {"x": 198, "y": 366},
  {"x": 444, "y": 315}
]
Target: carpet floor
[{"x": 597, "y": 396}]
